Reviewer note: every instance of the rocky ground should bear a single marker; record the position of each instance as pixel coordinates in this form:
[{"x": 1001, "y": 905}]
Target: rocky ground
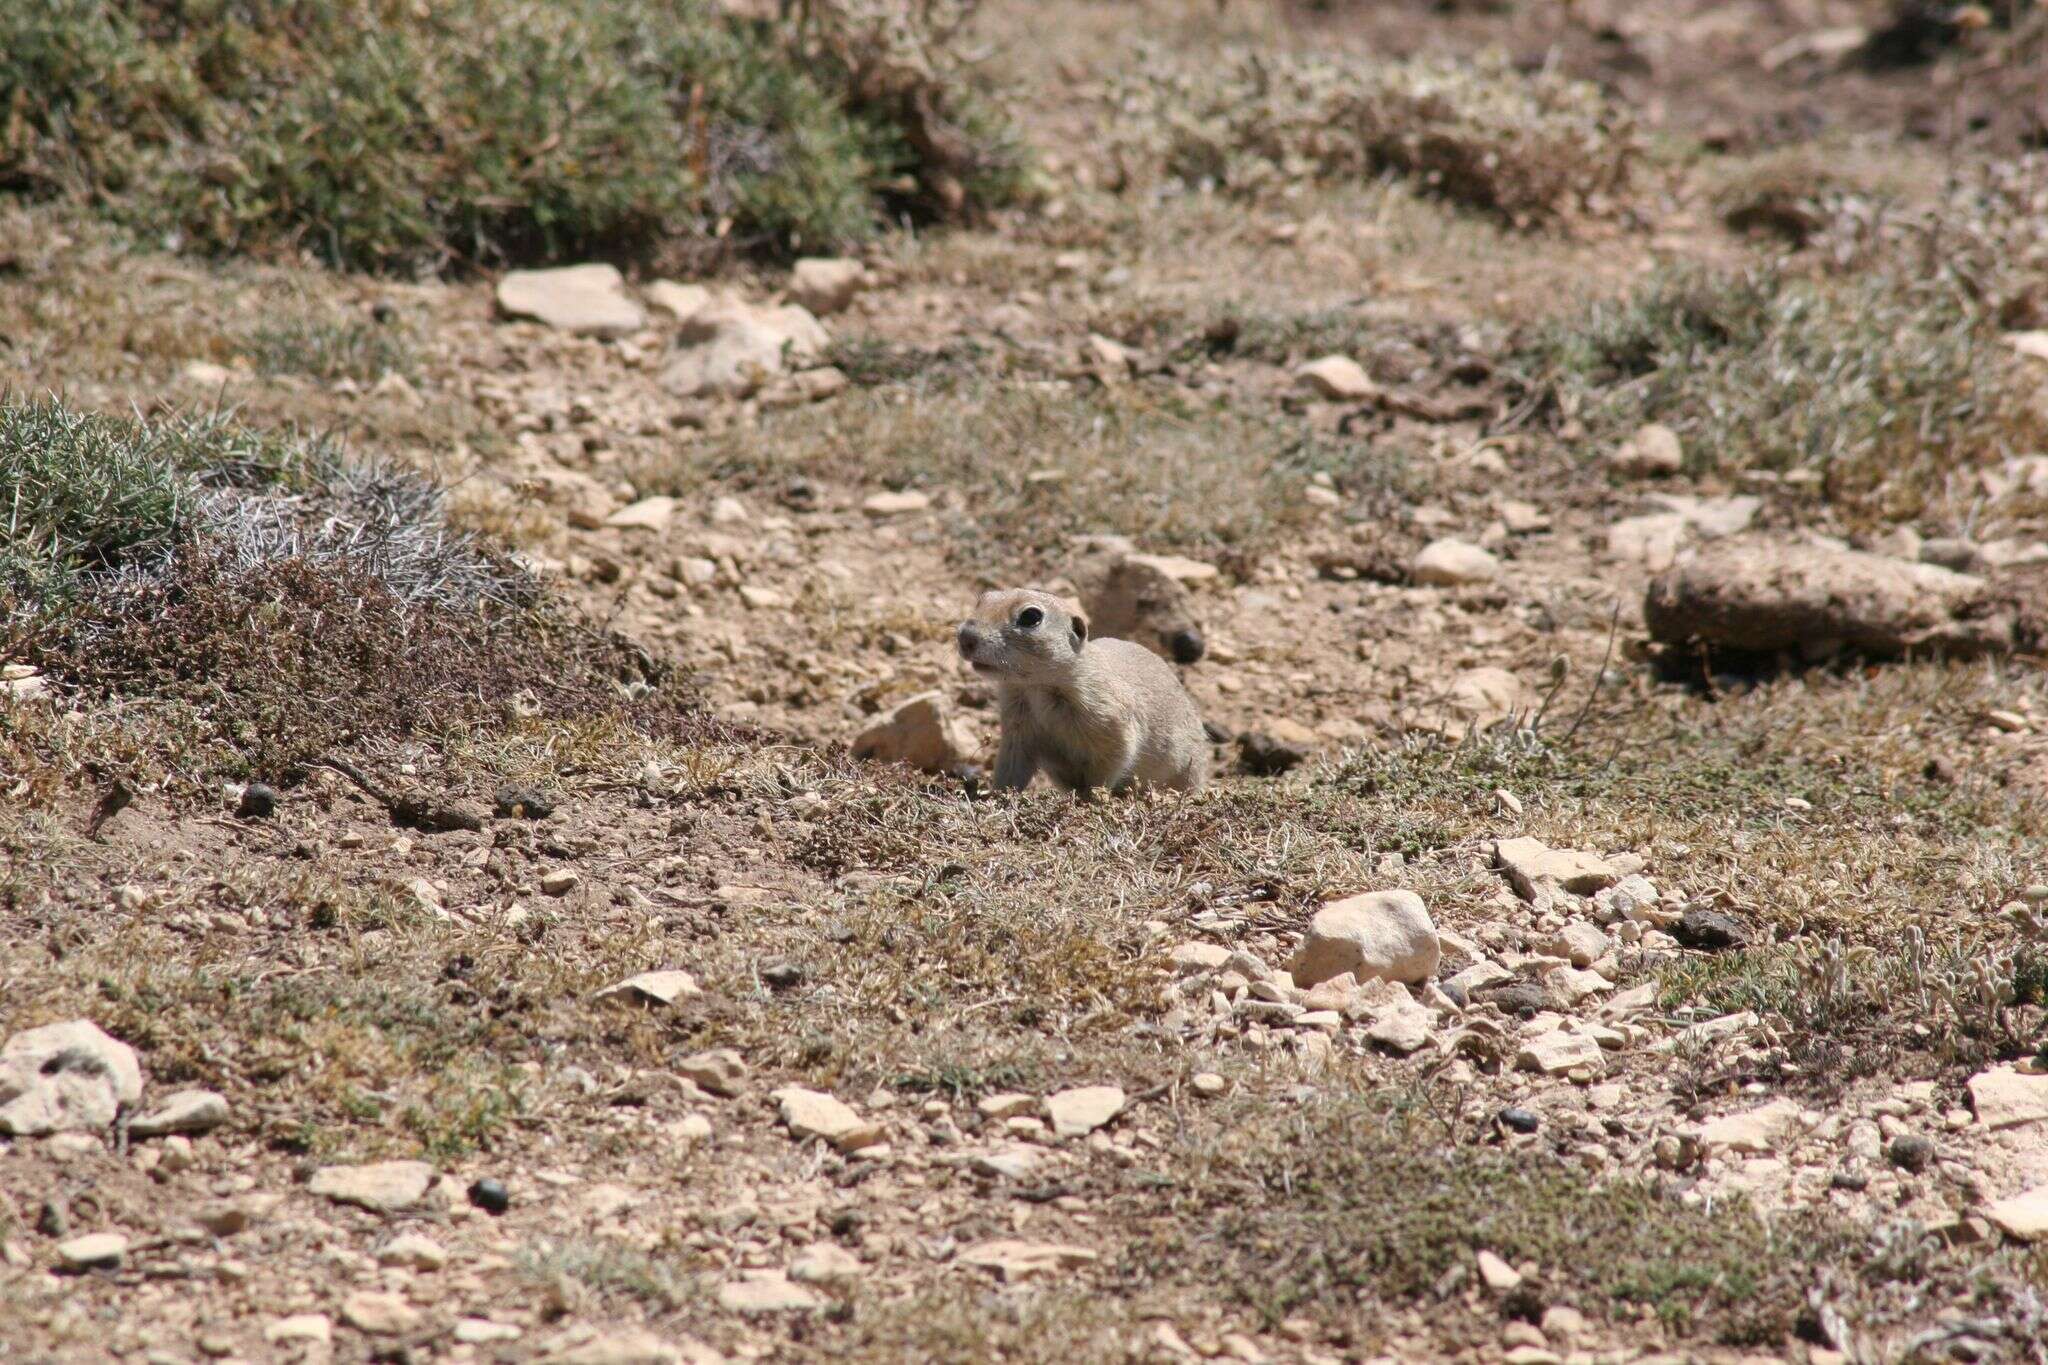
[{"x": 1541, "y": 980}]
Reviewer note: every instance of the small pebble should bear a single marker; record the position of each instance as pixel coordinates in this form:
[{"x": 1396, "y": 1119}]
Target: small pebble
[
  {"x": 1519, "y": 1120},
  {"x": 1912, "y": 1152},
  {"x": 523, "y": 803},
  {"x": 259, "y": 802},
  {"x": 491, "y": 1196}
]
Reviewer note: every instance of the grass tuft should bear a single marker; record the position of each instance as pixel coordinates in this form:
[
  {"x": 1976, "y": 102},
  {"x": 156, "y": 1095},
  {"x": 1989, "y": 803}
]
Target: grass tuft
[
  {"x": 1529, "y": 147},
  {"x": 1881, "y": 384}
]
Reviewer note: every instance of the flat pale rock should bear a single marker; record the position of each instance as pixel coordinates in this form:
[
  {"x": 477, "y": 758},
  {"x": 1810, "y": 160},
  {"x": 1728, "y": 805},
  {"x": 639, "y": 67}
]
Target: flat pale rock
[
  {"x": 814, "y": 1114},
  {"x": 1176, "y": 567},
  {"x": 1499, "y": 1276},
  {"x": 1575, "y": 985},
  {"x": 1770, "y": 1128},
  {"x": 2032, "y": 345},
  {"x": 2006, "y": 1097},
  {"x": 652, "y": 988},
  {"x": 2024, "y": 1217},
  {"x": 206, "y": 374},
  {"x": 637, "y": 1347},
  {"x": 1453, "y": 563},
  {"x": 1381, "y": 935},
  {"x": 1758, "y": 594},
  {"x": 1192, "y": 957},
  {"x": 1012, "y": 1162},
  {"x": 1486, "y": 696},
  {"x": 1007, "y": 1105},
  {"x": 766, "y": 1291},
  {"x": 1713, "y": 518},
  {"x": 482, "y": 1331},
  {"x": 648, "y": 514},
  {"x": 1337, "y": 377},
  {"x": 1522, "y": 518},
  {"x": 1554, "y": 1053},
  {"x": 1403, "y": 1029},
  {"x": 94, "y": 1251},
  {"x": 920, "y": 731},
  {"x": 679, "y": 301},
  {"x": 825, "y": 1263},
  {"x": 895, "y": 504},
  {"x": 1012, "y": 1259},
  {"x": 587, "y": 300},
  {"x": 826, "y": 285},
  {"x": 1652, "y": 540},
  {"x": 1477, "y": 977},
  {"x": 1529, "y": 861},
  {"x": 1079, "y": 1112},
  {"x": 65, "y": 1078},
  {"x": 381, "y": 1187},
  {"x": 722, "y": 1071},
  {"x": 182, "y": 1111},
  {"x": 1653, "y": 452},
  {"x": 379, "y": 1314},
  {"x": 1579, "y": 943},
  {"x": 414, "y": 1251},
  {"x": 300, "y": 1327}
]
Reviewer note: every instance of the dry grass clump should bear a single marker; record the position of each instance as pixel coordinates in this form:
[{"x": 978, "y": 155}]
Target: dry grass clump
[
  {"x": 1530, "y": 147},
  {"x": 329, "y": 349},
  {"x": 904, "y": 67},
  {"x": 1963, "y": 999},
  {"x": 281, "y": 600},
  {"x": 1883, "y": 382},
  {"x": 1344, "y": 1208},
  {"x": 102, "y": 506},
  {"x": 1031, "y": 464},
  {"x": 272, "y": 662}
]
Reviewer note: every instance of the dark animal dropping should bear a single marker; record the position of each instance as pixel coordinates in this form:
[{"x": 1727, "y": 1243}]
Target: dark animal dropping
[{"x": 491, "y": 1196}]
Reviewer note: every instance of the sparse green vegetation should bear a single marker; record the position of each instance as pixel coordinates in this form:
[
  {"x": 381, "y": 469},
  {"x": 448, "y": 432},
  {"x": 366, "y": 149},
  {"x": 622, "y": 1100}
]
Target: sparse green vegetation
[{"x": 111, "y": 502}]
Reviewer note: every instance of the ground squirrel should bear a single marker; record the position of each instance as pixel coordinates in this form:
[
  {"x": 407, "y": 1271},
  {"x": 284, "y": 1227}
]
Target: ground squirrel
[
  {"x": 1128, "y": 596},
  {"x": 1091, "y": 713}
]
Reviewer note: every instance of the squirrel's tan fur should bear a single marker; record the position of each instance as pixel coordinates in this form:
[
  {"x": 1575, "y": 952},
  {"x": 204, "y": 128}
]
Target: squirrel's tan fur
[{"x": 1088, "y": 713}]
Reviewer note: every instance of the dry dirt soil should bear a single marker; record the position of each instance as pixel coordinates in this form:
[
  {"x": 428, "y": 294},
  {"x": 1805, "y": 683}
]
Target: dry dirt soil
[{"x": 1707, "y": 1097}]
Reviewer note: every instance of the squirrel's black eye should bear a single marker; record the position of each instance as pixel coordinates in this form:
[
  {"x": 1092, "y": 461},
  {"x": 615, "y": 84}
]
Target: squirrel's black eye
[{"x": 1029, "y": 618}]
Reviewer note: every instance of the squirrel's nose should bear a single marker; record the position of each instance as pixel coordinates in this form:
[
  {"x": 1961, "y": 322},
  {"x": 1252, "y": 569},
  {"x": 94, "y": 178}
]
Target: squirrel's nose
[{"x": 970, "y": 638}]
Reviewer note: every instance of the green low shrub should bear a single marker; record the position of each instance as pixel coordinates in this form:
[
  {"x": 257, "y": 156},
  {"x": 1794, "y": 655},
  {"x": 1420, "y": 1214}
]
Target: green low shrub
[{"x": 391, "y": 136}]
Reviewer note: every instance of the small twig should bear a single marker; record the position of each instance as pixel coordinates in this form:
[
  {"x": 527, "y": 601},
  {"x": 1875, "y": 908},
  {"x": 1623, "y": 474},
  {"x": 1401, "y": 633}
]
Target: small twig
[
  {"x": 1561, "y": 670},
  {"x": 1613, "y": 627},
  {"x": 417, "y": 812}
]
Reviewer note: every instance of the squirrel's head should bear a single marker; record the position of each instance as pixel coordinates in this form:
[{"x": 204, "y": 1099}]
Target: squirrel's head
[{"x": 1022, "y": 635}]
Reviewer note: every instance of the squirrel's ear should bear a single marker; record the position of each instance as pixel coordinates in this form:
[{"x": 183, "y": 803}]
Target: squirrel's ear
[{"x": 1080, "y": 630}]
